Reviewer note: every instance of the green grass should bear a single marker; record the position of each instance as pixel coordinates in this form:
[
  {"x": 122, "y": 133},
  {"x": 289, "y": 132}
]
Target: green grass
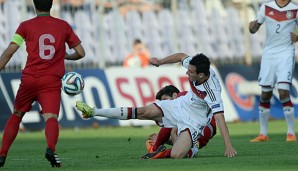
[{"x": 121, "y": 148}]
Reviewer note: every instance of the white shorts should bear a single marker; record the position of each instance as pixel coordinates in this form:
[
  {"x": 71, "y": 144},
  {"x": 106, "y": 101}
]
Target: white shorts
[
  {"x": 277, "y": 68},
  {"x": 174, "y": 115}
]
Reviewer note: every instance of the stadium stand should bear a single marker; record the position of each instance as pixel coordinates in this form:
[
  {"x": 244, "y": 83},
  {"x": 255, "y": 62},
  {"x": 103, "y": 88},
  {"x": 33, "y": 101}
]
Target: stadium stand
[
  {"x": 193, "y": 26},
  {"x": 168, "y": 31}
]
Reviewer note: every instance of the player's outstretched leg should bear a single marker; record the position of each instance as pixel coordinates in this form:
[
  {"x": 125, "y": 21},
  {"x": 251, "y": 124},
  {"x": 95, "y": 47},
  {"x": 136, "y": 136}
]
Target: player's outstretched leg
[
  {"x": 123, "y": 113},
  {"x": 53, "y": 158},
  {"x": 2, "y": 160},
  {"x": 86, "y": 110}
]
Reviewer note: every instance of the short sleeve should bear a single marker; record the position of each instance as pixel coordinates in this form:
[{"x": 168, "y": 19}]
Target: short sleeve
[
  {"x": 186, "y": 61},
  {"x": 213, "y": 90},
  {"x": 21, "y": 31},
  {"x": 261, "y": 14},
  {"x": 72, "y": 39},
  {"x": 215, "y": 104}
]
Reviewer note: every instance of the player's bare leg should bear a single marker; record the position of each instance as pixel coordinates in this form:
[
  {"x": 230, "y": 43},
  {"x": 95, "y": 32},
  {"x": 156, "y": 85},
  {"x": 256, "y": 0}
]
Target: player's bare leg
[
  {"x": 181, "y": 150},
  {"x": 182, "y": 145}
]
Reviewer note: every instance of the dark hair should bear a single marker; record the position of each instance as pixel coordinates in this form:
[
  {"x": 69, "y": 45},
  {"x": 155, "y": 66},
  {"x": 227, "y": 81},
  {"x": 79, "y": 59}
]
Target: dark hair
[
  {"x": 167, "y": 90},
  {"x": 43, "y": 5},
  {"x": 137, "y": 41},
  {"x": 201, "y": 62}
]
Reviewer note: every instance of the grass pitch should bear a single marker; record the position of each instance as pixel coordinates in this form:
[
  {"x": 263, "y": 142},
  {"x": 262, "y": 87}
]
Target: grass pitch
[{"x": 121, "y": 148}]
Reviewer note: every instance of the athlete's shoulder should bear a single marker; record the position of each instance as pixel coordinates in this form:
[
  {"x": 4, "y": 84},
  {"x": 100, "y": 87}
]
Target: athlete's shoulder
[
  {"x": 294, "y": 3},
  {"x": 59, "y": 21},
  {"x": 29, "y": 21},
  {"x": 213, "y": 81},
  {"x": 212, "y": 73},
  {"x": 268, "y": 2}
]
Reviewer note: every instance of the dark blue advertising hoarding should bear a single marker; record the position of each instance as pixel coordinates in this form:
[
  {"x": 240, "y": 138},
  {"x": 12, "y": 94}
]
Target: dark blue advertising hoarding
[
  {"x": 241, "y": 82},
  {"x": 95, "y": 85}
]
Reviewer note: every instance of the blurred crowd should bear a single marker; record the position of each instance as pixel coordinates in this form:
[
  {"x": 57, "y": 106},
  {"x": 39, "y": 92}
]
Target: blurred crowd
[{"x": 110, "y": 29}]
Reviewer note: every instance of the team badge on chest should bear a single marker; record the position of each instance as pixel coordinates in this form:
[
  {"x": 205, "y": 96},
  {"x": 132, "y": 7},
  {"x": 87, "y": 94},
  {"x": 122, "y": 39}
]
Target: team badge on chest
[{"x": 289, "y": 14}]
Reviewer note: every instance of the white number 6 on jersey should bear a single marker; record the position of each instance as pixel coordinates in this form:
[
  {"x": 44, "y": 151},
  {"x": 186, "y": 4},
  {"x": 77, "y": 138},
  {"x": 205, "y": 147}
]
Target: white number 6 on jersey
[{"x": 43, "y": 47}]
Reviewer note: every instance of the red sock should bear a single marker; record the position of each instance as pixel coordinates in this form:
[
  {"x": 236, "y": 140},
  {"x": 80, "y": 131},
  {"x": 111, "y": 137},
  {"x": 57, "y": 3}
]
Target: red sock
[
  {"x": 52, "y": 133},
  {"x": 10, "y": 132},
  {"x": 162, "y": 137},
  {"x": 164, "y": 154}
]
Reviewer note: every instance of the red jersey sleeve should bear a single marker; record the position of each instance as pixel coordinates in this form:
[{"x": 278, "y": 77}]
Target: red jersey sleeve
[
  {"x": 72, "y": 39},
  {"x": 21, "y": 31}
]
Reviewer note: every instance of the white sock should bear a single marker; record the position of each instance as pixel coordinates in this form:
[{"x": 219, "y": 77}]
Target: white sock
[
  {"x": 193, "y": 152},
  {"x": 123, "y": 113},
  {"x": 290, "y": 119},
  {"x": 264, "y": 118}
]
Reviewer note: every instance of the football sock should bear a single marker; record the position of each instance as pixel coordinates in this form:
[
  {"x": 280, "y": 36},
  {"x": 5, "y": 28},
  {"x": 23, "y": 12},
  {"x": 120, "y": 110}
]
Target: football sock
[
  {"x": 162, "y": 137},
  {"x": 289, "y": 115},
  {"x": 52, "y": 133},
  {"x": 122, "y": 113},
  {"x": 10, "y": 132},
  {"x": 264, "y": 110},
  {"x": 204, "y": 139},
  {"x": 192, "y": 152},
  {"x": 164, "y": 154}
]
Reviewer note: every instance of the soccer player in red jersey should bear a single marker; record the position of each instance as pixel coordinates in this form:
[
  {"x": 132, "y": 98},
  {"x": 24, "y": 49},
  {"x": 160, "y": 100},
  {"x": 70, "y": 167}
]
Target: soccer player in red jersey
[
  {"x": 45, "y": 38},
  {"x": 169, "y": 135}
]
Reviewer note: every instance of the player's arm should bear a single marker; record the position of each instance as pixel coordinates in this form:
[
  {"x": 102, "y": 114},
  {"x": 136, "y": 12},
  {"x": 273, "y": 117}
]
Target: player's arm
[
  {"x": 7, "y": 54},
  {"x": 174, "y": 58},
  {"x": 78, "y": 54},
  {"x": 224, "y": 131},
  {"x": 294, "y": 37},
  {"x": 260, "y": 19}
]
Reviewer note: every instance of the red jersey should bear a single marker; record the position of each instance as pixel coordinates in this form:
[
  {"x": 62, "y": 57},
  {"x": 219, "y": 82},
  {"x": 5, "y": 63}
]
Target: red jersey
[
  {"x": 45, "y": 38},
  {"x": 181, "y": 93}
]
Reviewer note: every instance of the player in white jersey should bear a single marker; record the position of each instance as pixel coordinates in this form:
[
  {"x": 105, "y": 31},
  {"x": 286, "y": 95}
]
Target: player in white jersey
[
  {"x": 189, "y": 113},
  {"x": 278, "y": 61}
]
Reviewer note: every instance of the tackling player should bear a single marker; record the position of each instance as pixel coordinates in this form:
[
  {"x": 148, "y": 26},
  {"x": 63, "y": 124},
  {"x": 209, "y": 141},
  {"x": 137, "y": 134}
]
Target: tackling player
[
  {"x": 45, "y": 38},
  {"x": 188, "y": 113},
  {"x": 278, "y": 61},
  {"x": 170, "y": 92}
]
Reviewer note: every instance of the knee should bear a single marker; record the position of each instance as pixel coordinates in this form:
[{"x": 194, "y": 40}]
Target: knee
[
  {"x": 283, "y": 94},
  {"x": 266, "y": 97}
]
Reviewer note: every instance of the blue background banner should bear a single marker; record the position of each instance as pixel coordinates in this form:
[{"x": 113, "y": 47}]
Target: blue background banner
[
  {"x": 68, "y": 116},
  {"x": 104, "y": 90},
  {"x": 247, "y": 104}
]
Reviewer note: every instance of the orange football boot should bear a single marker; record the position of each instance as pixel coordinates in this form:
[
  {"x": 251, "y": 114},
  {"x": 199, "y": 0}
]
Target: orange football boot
[
  {"x": 291, "y": 138},
  {"x": 260, "y": 138}
]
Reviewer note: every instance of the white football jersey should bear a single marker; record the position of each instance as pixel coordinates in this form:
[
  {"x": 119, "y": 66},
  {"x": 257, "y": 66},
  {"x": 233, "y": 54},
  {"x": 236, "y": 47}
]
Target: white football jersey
[
  {"x": 194, "y": 110},
  {"x": 207, "y": 93},
  {"x": 280, "y": 22}
]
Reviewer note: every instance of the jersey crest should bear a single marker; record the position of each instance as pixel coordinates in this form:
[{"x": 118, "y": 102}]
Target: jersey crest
[{"x": 289, "y": 14}]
